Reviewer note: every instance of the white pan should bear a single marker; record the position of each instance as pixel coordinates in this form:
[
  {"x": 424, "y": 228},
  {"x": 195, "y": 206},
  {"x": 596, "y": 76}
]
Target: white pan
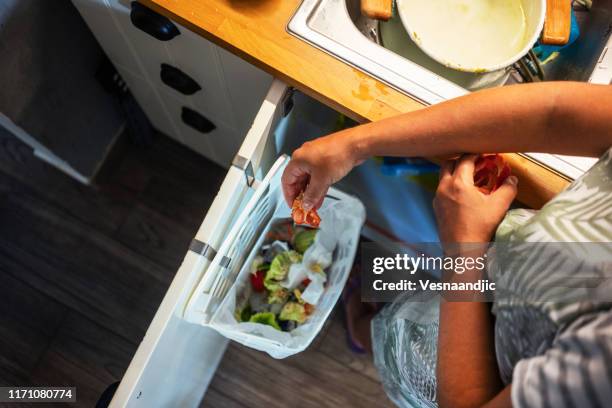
[{"x": 473, "y": 35}]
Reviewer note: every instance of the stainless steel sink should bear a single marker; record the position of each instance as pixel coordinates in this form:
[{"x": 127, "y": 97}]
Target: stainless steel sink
[{"x": 338, "y": 28}]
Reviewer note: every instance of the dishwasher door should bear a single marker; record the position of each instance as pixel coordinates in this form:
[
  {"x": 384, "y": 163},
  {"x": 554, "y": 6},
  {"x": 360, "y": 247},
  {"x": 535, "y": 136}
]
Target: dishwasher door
[{"x": 176, "y": 360}]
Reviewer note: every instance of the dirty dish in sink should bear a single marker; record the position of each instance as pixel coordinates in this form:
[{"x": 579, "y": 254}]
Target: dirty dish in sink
[{"x": 473, "y": 35}]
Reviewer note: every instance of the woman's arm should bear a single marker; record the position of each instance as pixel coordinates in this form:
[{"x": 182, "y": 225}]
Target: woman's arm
[
  {"x": 467, "y": 371},
  {"x": 554, "y": 117}
]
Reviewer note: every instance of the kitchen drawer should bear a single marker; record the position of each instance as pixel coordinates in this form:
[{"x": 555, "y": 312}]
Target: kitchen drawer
[
  {"x": 188, "y": 52},
  {"x": 211, "y": 99},
  {"x": 219, "y": 145},
  {"x": 198, "y": 58},
  {"x": 164, "y": 108}
]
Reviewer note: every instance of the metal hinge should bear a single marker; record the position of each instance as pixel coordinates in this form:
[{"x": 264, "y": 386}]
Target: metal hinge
[
  {"x": 208, "y": 252},
  {"x": 202, "y": 248},
  {"x": 287, "y": 102},
  {"x": 247, "y": 167}
]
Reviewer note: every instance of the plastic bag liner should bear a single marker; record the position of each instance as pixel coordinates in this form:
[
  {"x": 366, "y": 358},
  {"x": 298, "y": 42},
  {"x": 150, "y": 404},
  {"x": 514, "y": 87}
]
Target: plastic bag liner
[{"x": 342, "y": 218}]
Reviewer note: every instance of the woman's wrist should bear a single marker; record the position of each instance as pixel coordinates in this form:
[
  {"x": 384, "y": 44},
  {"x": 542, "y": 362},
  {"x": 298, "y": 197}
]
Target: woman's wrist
[{"x": 361, "y": 142}]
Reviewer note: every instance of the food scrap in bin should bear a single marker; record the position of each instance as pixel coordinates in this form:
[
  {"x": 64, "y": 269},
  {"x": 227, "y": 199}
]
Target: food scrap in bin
[
  {"x": 275, "y": 296},
  {"x": 490, "y": 172},
  {"x": 301, "y": 216}
]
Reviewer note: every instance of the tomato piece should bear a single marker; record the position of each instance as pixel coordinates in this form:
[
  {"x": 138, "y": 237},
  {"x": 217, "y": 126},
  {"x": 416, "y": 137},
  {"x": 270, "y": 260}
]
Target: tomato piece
[
  {"x": 503, "y": 175},
  {"x": 313, "y": 218},
  {"x": 490, "y": 172},
  {"x": 298, "y": 216},
  {"x": 257, "y": 281},
  {"x": 301, "y": 216},
  {"x": 306, "y": 282}
]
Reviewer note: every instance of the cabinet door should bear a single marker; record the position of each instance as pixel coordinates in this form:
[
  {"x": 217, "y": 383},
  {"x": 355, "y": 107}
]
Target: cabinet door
[
  {"x": 197, "y": 57},
  {"x": 246, "y": 85},
  {"x": 176, "y": 359}
]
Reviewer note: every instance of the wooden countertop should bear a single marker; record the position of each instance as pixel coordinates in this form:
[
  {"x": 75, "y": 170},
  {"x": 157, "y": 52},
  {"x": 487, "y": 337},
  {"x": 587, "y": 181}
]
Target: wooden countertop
[{"x": 256, "y": 31}]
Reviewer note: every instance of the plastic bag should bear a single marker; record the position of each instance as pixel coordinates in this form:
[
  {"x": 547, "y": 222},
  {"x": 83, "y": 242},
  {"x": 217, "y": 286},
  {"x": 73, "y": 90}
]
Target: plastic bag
[
  {"x": 405, "y": 345},
  {"x": 334, "y": 249}
]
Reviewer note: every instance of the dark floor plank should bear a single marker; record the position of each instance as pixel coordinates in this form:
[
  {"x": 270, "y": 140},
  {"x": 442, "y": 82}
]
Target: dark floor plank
[
  {"x": 183, "y": 200},
  {"x": 17, "y": 159},
  {"x": 334, "y": 345},
  {"x": 169, "y": 158},
  {"x": 181, "y": 185},
  {"x": 83, "y": 355},
  {"x": 100, "y": 207},
  {"x": 310, "y": 378},
  {"x": 78, "y": 266},
  {"x": 217, "y": 399},
  {"x": 29, "y": 321},
  {"x": 156, "y": 236}
]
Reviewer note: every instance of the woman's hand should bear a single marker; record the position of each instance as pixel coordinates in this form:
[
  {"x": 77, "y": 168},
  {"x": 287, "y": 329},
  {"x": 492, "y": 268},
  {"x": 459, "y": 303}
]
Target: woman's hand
[
  {"x": 317, "y": 165},
  {"x": 463, "y": 213}
]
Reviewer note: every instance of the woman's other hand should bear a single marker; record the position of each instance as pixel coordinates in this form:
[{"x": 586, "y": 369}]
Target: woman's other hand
[
  {"x": 318, "y": 164},
  {"x": 463, "y": 213}
]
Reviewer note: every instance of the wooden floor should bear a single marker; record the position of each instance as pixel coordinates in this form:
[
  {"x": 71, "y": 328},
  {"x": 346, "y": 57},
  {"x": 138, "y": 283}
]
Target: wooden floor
[{"x": 82, "y": 271}]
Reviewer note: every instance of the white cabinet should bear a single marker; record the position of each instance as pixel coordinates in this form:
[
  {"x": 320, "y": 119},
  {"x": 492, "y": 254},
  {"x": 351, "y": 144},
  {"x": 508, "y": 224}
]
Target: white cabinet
[{"x": 230, "y": 90}]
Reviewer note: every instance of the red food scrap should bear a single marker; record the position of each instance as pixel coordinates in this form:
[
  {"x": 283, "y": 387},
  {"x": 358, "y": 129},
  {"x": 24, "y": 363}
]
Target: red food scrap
[
  {"x": 257, "y": 281},
  {"x": 490, "y": 172},
  {"x": 308, "y": 309},
  {"x": 301, "y": 216}
]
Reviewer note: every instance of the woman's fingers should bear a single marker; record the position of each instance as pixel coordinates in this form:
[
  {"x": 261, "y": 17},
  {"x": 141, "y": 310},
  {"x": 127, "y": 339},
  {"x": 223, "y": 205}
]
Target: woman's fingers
[
  {"x": 294, "y": 180},
  {"x": 297, "y": 178},
  {"x": 320, "y": 203},
  {"x": 315, "y": 192},
  {"x": 446, "y": 169},
  {"x": 465, "y": 168},
  {"x": 507, "y": 191}
]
